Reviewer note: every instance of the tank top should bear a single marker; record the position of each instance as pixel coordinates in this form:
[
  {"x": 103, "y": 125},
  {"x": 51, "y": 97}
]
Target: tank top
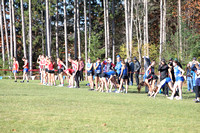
[
  {"x": 26, "y": 66},
  {"x": 74, "y": 65},
  {"x": 15, "y": 66},
  {"x": 42, "y": 62},
  {"x": 46, "y": 64},
  {"x": 60, "y": 66},
  {"x": 98, "y": 69},
  {"x": 50, "y": 66},
  {"x": 151, "y": 70},
  {"x": 177, "y": 72},
  {"x": 125, "y": 71},
  {"x": 88, "y": 66}
]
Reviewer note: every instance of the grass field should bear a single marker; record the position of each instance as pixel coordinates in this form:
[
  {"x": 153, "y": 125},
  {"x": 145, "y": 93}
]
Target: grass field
[{"x": 35, "y": 108}]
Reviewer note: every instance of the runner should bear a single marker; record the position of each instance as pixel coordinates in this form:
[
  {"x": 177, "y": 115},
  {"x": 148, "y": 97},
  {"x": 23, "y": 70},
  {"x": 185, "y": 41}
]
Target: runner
[
  {"x": 15, "y": 68},
  {"x": 25, "y": 70},
  {"x": 41, "y": 62},
  {"x": 97, "y": 67},
  {"x": 89, "y": 66},
  {"x": 60, "y": 71},
  {"x": 69, "y": 73},
  {"x": 51, "y": 76}
]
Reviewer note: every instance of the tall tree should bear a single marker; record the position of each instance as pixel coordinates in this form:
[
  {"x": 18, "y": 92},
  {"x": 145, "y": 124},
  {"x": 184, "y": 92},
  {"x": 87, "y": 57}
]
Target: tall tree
[
  {"x": 127, "y": 28},
  {"x": 14, "y": 29},
  {"x": 2, "y": 37},
  {"x": 161, "y": 28},
  {"x": 30, "y": 37},
  {"x": 146, "y": 39},
  {"x": 65, "y": 30},
  {"x": 47, "y": 27},
  {"x": 57, "y": 48},
  {"x": 6, "y": 32},
  {"x": 23, "y": 28},
  {"x": 105, "y": 29},
  {"x": 11, "y": 29},
  {"x": 42, "y": 29},
  {"x": 85, "y": 22},
  {"x": 131, "y": 28},
  {"x": 179, "y": 25},
  {"x": 108, "y": 29},
  {"x": 90, "y": 25},
  {"x": 78, "y": 29},
  {"x": 75, "y": 29},
  {"x": 113, "y": 30}
]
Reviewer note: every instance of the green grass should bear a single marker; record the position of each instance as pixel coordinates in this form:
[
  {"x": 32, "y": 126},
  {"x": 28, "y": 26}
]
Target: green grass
[{"x": 36, "y": 108}]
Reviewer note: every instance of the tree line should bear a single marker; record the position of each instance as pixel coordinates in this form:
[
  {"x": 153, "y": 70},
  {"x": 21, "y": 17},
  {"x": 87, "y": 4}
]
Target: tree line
[{"x": 99, "y": 28}]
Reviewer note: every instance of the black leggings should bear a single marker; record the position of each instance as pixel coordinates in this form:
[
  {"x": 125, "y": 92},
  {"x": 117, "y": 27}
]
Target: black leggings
[
  {"x": 197, "y": 91},
  {"x": 77, "y": 78}
]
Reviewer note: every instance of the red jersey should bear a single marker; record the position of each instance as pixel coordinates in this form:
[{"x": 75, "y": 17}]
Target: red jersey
[
  {"x": 50, "y": 66},
  {"x": 42, "y": 63},
  {"x": 26, "y": 65},
  {"x": 15, "y": 65},
  {"x": 69, "y": 70}
]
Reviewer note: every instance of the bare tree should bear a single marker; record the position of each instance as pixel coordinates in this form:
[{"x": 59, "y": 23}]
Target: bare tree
[
  {"x": 30, "y": 37},
  {"x": 42, "y": 29},
  {"x": 85, "y": 20},
  {"x": 113, "y": 30},
  {"x": 127, "y": 27},
  {"x": 75, "y": 29},
  {"x": 131, "y": 28},
  {"x": 179, "y": 25},
  {"x": 90, "y": 25},
  {"x": 161, "y": 28},
  {"x": 47, "y": 27},
  {"x": 14, "y": 29},
  {"x": 146, "y": 39},
  {"x": 6, "y": 32},
  {"x": 105, "y": 29},
  {"x": 23, "y": 28},
  {"x": 108, "y": 29},
  {"x": 57, "y": 48},
  {"x": 2, "y": 37},
  {"x": 65, "y": 30},
  {"x": 11, "y": 29}
]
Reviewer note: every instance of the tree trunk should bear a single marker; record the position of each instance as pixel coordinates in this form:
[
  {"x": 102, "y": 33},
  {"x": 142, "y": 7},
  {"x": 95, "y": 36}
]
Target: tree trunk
[
  {"x": 161, "y": 28},
  {"x": 30, "y": 37},
  {"x": 65, "y": 30},
  {"x": 14, "y": 29},
  {"x": 127, "y": 28},
  {"x": 57, "y": 48},
  {"x": 2, "y": 37},
  {"x": 164, "y": 23},
  {"x": 47, "y": 27},
  {"x": 90, "y": 25},
  {"x": 11, "y": 29},
  {"x": 179, "y": 25},
  {"x": 42, "y": 30},
  {"x": 108, "y": 29},
  {"x": 6, "y": 32},
  {"x": 113, "y": 30},
  {"x": 131, "y": 29},
  {"x": 75, "y": 28},
  {"x": 105, "y": 29},
  {"x": 78, "y": 28},
  {"x": 23, "y": 28},
  {"x": 85, "y": 19},
  {"x": 147, "y": 33}
]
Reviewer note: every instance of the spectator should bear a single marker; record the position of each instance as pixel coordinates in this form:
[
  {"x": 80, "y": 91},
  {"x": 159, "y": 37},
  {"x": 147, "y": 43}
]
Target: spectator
[
  {"x": 81, "y": 67},
  {"x": 189, "y": 78},
  {"x": 118, "y": 67},
  {"x": 146, "y": 65},
  {"x": 137, "y": 70},
  {"x": 131, "y": 70},
  {"x": 163, "y": 68}
]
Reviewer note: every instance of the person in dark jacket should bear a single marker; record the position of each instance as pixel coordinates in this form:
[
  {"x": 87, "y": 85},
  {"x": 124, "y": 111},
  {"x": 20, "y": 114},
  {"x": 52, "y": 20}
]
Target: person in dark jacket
[
  {"x": 137, "y": 68},
  {"x": 163, "y": 68},
  {"x": 147, "y": 63},
  {"x": 127, "y": 65},
  {"x": 131, "y": 68}
]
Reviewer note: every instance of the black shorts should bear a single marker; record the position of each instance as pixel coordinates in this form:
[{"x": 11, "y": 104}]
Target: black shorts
[
  {"x": 152, "y": 76},
  {"x": 51, "y": 71},
  {"x": 124, "y": 77},
  {"x": 60, "y": 71},
  {"x": 103, "y": 75},
  {"x": 46, "y": 70},
  {"x": 97, "y": 74},
  {"x": 89, "y": 73}
]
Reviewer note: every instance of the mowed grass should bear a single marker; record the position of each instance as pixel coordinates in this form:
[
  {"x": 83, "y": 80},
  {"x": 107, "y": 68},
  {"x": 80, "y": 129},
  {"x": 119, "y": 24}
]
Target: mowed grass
[{"x": 36, "y": 108}]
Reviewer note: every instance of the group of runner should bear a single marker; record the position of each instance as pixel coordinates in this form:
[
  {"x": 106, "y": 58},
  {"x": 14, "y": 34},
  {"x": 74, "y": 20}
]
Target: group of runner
[{"x": 104, "y": 75}]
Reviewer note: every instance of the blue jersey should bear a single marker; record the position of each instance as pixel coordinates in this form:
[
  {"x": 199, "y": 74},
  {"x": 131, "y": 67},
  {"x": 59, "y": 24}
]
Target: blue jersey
[
  {"x": 125, "y": 71},
  {"x": 88, "y": 66},
  {"x": 177, "y": 72},
  {"x": 118, "y": 67},
  {"x": 110, "y": 73},
  {"x": 98, "y": 69}
]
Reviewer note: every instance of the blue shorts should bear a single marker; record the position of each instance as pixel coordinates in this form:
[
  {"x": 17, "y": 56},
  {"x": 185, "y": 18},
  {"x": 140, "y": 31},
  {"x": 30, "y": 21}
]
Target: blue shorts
[
  {"x": 25, "y": 70},
  {"x": 14, "y": 71},
  {"x": 198, "y": 82},
  {"x": 179, "y": 79},
  {"x": 165, "y": 81}
]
